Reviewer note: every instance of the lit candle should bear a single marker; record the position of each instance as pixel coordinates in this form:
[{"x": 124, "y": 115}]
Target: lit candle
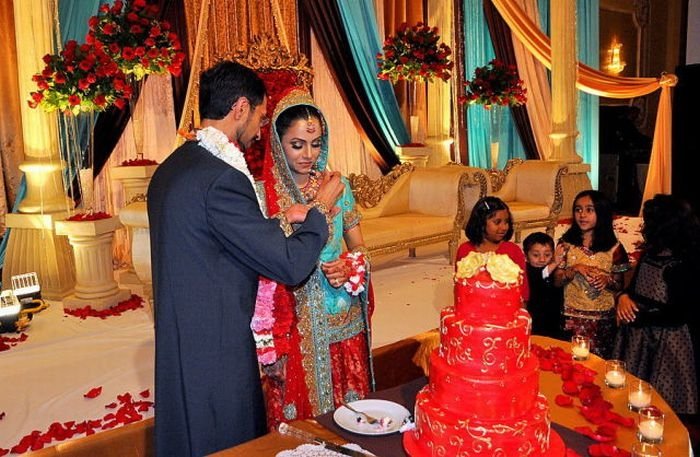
[
  {"x": 639, "y": 398},
  {"x": 581, "y": 352},
  {"x": 652, "y": 430},
  {"x": 580, "y": 347},
  {"x": 615, "y": 378}
]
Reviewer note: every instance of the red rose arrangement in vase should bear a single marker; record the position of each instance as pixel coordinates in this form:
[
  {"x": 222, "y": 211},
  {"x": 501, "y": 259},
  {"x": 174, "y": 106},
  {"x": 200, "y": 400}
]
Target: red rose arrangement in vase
[
  {"x": 135, "y": 39},
  {"x": 80, "y": 78},
  {"x": 124, "y": 42},
  {"x": 414, "y": 54},
  {"x": 495, "y": 84}
]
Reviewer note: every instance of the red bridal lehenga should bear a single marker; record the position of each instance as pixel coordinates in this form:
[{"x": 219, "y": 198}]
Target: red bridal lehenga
[{"x": 313, "y": 340}]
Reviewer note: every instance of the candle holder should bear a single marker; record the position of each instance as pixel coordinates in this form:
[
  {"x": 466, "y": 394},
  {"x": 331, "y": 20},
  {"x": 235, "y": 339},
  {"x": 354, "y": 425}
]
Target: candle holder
[
  {"x": 580, "y": 347},
  {"x": 651, "y": 425},
  {"x": 639, "y": 395},
  {"x": 645, "y": 450},
  {"x": 615, "y": 374}
]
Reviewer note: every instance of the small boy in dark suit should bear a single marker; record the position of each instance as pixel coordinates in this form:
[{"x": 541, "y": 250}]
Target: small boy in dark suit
[{"x": 546, "y": 300}]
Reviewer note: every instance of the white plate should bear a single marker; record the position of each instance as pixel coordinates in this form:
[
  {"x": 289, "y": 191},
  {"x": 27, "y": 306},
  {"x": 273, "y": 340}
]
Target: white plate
[{"x": 376, "y": 408}]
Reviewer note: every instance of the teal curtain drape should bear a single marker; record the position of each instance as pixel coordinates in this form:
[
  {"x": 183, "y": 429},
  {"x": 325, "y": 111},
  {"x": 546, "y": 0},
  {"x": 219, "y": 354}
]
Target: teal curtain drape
[
  {"x": 588, "y": 41},
  {"x": 361, "y": 29},
  {"x": 478, "y": 51}
]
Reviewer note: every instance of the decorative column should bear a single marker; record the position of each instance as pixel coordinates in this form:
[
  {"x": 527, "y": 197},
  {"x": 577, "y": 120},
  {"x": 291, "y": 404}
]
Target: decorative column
[
  {"x": 92, "y": 248},
  {"x": 134, "y": 179},
  {"x": 564, "y": 99},
  {"x": 32, "y": 245}
]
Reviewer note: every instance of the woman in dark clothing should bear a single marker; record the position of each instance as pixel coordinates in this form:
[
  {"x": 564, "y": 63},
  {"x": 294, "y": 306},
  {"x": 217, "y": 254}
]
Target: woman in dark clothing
[{"x": 655, "y": 310}]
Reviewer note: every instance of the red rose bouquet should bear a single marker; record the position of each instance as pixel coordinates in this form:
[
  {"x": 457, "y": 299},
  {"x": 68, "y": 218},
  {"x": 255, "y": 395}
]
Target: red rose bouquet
[
  {"x": 414, "y": 54},
  {"x": 495, "y": 84},
  {"x": 135, "y": 39},
  {"x": 79, "y": 78}
]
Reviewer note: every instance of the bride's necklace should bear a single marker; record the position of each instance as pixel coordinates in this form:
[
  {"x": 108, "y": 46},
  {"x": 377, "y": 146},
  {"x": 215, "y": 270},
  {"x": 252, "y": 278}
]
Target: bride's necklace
[
  {"x": 217, "y": 143},
  {"x": 310, "y": 188}
]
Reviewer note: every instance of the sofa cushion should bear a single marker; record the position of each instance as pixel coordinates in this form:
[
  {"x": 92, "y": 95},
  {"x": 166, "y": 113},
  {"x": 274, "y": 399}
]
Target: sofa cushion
[
  {"x": 432, "y": 191},
  {"x": 524, "y": 211},
  {"x": 401, "y": 227}
]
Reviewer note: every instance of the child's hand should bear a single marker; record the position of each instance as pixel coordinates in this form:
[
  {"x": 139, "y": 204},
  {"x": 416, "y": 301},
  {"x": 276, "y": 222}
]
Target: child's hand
[
  {"x": 558, "y": 257},
  {"x": 626, "y": 309}
]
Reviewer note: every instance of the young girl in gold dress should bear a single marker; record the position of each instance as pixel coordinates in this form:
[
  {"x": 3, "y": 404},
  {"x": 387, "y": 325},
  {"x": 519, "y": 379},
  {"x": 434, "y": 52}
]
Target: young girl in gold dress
[{"x": 594, "y": 263}]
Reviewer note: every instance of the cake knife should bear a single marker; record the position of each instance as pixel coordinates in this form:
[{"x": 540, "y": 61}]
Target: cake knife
[{"x": 286, "y": 429}]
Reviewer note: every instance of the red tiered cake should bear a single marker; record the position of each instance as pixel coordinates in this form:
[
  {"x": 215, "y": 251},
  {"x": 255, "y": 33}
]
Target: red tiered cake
[{"x": 483, "y": 396}]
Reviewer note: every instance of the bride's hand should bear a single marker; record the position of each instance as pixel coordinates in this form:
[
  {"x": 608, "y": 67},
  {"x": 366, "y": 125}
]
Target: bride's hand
[{"x": 336, "y": 272}]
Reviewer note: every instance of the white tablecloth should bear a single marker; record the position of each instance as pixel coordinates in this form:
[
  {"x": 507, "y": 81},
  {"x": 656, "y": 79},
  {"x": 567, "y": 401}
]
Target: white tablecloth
[{"x": 44, "y": 379}]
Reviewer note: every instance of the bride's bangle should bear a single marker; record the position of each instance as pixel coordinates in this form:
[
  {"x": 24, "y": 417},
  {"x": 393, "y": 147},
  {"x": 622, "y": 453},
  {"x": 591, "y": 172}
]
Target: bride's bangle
[{"x": 322, "y": 207}]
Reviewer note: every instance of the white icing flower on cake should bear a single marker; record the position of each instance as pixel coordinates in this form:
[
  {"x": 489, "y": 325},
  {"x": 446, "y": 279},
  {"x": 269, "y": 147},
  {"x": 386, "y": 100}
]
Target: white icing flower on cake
[
  {"x": 503, "y": 269},
  {"x": 470, "y": 265}
]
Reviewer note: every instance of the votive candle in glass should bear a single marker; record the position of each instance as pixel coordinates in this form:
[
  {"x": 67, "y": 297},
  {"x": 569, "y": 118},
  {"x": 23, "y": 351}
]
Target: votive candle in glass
[
  {"x": 615, "y": 374},
  {"x": 639, "y": 394},
  {"x": 645, "y": 450},
  {"x": 580, "y": 347},
  {"x": 651, "y": 425}
]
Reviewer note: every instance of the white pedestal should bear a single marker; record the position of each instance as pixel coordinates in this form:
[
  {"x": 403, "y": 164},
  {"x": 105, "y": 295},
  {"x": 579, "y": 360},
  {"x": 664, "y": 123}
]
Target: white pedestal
[
  {"x": 92, "y": 249},
  {"x": 135, "y": 181},
  {"x": 33, "y": 246},
  {"x": 417, "y": 155}
]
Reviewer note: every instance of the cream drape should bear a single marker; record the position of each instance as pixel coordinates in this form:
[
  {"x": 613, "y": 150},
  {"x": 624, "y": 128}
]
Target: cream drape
[
  {"x": 155, "y": 105},
  {"x": 348, "y": 153},
  {"x": 598, "y": 83},
  {"x": 539, "y": 95}
]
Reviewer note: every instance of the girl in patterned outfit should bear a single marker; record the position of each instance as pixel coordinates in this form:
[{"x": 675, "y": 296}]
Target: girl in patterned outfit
[
  {"x": 654, "y": 338},
  {"x": 314, "y": 339},
  {"x": 594, "y": 263}
]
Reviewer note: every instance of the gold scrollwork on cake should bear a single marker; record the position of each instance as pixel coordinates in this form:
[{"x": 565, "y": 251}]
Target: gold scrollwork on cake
[{"x": 369, "y": 192}]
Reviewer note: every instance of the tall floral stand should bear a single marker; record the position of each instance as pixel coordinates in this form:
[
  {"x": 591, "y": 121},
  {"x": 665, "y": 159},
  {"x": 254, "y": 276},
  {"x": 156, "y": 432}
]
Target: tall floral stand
[
  {"x": 134, "y": 179},
  {"x": 496, "y": 113},
  {"x": 92, "y": 250}
]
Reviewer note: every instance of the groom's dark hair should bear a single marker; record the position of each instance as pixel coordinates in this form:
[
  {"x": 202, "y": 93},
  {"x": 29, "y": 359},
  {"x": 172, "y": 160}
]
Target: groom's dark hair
[{"x": 224, "y": 83}]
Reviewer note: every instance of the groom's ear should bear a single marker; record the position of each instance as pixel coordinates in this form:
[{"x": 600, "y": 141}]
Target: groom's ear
[{"x": 240, "y": 108}]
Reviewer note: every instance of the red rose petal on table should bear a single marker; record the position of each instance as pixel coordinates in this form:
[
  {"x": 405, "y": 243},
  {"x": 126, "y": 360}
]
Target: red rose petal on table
[
  {"x": 570, "y": 388},
  {"x": 93, "y": 393},
  {"x": 4, "y": 452},
  {"x": 111, "y": 405},
  {"x": 145, "y": 393},
  {"x": 563, "y": 400},
  {"x": 2, "y": 415}
]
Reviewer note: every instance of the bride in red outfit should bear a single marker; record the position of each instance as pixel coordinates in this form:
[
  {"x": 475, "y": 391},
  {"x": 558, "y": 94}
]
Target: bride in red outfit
[{"x": 314, "y": 339}]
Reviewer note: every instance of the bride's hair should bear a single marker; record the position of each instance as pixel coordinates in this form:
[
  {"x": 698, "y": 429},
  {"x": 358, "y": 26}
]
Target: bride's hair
[{"x": 293, "y": 114}]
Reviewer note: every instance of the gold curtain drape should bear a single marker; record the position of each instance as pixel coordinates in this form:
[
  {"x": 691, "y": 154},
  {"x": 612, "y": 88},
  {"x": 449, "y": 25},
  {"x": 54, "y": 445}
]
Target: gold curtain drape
[
  {"x": 598, "y": 83},
  {"x": 217, "y": 30},
  {"x": 11, "y": 144}
]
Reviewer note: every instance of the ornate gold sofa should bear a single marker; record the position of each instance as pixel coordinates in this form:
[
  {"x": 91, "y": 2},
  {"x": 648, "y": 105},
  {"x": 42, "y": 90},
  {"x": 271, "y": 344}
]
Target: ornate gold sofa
[
  {"x": 411, "y": 207},
  {"x": 532, "y": 190}
]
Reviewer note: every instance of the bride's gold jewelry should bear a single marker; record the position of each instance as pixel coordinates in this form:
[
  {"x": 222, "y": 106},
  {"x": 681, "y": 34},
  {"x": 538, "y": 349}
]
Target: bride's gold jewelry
[
  {"x": 311, "y": 126},
  {"x": 310, "y": 188}
]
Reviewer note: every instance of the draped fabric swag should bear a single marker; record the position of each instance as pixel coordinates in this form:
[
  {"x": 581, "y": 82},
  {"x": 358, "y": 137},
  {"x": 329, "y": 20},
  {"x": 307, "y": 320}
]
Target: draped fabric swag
[
  {"x": 326, "y": 22},
  {"x": 601, "y": 84},
  {"x": 11, "y": 145},
  {"x": 363, "y": 37},
  {"x": 478, "y": 51},
  {"x": 534, "y": 74},
  {"x": 503, "y": 47},
  {"x": 348, "y": 152}
]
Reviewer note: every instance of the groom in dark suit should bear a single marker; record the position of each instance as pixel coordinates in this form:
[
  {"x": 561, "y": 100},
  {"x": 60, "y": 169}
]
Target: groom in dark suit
[{"x": 209, "y": 243}]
